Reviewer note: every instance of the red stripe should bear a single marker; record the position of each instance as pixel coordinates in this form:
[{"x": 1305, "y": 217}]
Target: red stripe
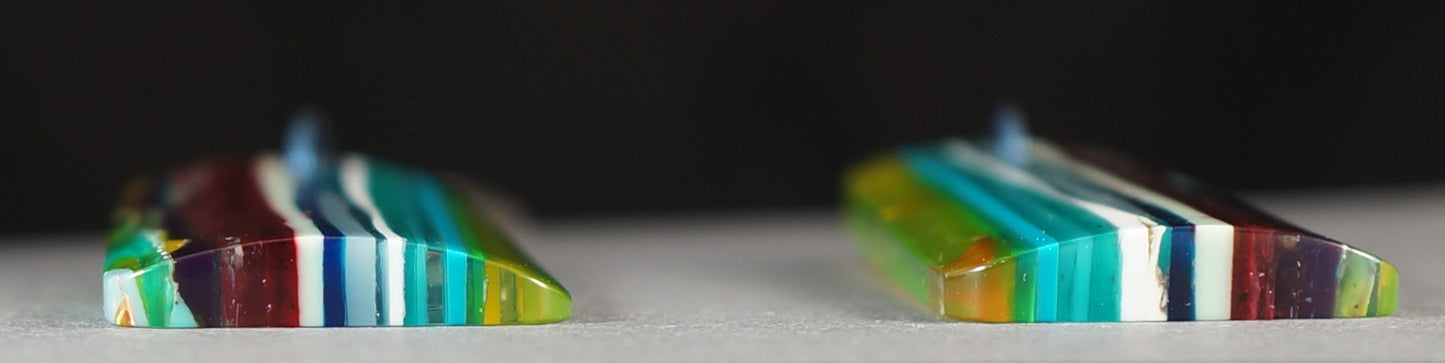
[
  {"x": 226, "y": 211},
  {"x": 1254, "y": 275}
]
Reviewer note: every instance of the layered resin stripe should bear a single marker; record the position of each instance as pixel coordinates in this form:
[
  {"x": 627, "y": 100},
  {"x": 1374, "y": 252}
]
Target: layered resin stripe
[
  {"x": 1042, "y": 261},
  {"x": 391, "y": 279},
  {"x": 1085, "y": 231},
  {"x": 231, "y": 226},
  {"x": 243, "y": 242},
  {"x": 1297, "y": 272},
  {"x": 359, "y": 242},
  {"x": 1075, "y": 235},
  {"x": 279, "y": 190},
  {"x": 1209, "y": 240}
]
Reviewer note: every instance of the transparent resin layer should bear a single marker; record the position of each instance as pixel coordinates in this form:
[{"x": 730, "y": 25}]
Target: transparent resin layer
[
  {"x": 1081, "y": 235},
  {"x": 243, "y": 243}
]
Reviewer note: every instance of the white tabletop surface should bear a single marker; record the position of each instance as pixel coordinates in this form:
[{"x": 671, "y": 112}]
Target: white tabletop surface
[{"x": 762, "y": 286}]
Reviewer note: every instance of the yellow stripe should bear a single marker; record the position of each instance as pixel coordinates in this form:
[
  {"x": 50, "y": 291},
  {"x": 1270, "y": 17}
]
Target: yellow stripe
[{"x": 491, "y": 314}]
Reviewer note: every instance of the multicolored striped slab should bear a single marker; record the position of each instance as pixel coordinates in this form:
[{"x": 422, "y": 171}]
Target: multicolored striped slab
[
  {"x": 1070, "y": 234},
  {"x": 244, "y": 243}
]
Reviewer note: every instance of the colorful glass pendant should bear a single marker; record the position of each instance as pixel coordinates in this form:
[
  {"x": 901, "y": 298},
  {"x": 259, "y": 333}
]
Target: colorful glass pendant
[
  {"x": 313, "y": 239},
  {"x": 1017, "y": 229}
]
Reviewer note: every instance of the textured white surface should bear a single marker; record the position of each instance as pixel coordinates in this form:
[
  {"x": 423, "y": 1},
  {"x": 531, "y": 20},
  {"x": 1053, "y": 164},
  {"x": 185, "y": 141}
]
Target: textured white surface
[{"x": 770, "y": 286}]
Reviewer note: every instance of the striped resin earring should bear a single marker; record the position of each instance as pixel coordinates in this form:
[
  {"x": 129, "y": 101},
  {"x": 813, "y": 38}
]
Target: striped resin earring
[
  {"x": 312, "y": 239},
  {"x": 1017, "y": 229}
]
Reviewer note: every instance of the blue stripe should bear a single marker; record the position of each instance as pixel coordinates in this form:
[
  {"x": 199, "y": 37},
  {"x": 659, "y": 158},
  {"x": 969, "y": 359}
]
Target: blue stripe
[
  {"x": 1181, "y": 274},
  {"x": 333, "y": 273}
]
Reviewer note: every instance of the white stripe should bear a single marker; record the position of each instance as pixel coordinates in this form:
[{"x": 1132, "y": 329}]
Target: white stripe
[
  {"x": 1142, "y": 296},
  {"x": 134, "y": 299},
  {"x": 1213, "y": 239},
  {"x": 1141, "y": 284},
  {"x": 360, "y": 261},
  {"x": 1140, "y": 287},
  {"x": 355, "y": 183},
  {"x": 1213, "y": 271},
  {"x": 114, "y": 292},
  {"x": 279, "y": 189}
]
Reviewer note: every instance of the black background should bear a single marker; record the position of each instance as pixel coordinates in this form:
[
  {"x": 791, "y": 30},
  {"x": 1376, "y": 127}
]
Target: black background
[{"x": 586, "y": 109}]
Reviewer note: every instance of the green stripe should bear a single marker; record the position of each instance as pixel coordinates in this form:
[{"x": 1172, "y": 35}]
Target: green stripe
[
  {"x": 159, "y": 293},
  {"x": 925, "y": 232},
  {"x": 1356, "y": 276}
]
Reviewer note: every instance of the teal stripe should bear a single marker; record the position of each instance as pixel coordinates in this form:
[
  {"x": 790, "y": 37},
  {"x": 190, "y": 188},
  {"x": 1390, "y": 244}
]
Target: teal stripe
[
  {"x": 1104, "y": 289},
  {"x": 1068, "y": 281},
  {"x": 1104, "y": 293},
  {"x": 1088, "y": 244},
  {"x": 416, "y": 285},
  {"x": 1075, "y": 229},
  {"x": 935, "y": 171},
  {"x": 1074, "y": 281},
  {"x": 1057, "y": 218},
  {"x": 1166, "y": 253},
  {"x": 454, "y": 261}
]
